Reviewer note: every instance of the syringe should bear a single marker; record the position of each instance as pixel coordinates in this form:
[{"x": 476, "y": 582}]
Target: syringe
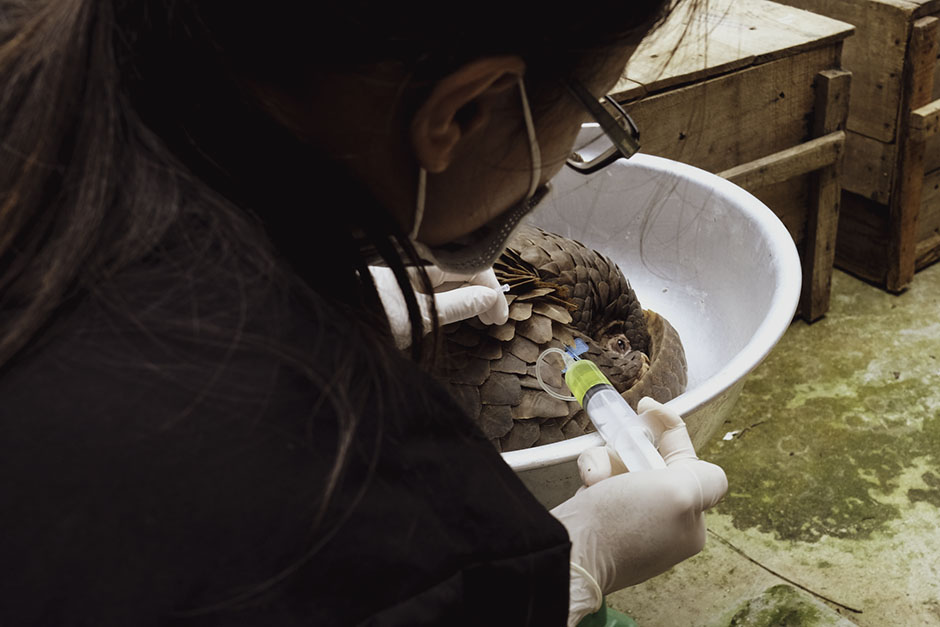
[{"x": 613, "y": 417}]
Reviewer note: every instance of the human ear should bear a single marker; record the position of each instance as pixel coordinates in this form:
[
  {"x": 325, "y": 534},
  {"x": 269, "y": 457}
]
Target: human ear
[{"x": 456, "y": 108}]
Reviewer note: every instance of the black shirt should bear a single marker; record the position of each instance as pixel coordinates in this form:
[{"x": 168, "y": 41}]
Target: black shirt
[{"x": 153, "y": 478}]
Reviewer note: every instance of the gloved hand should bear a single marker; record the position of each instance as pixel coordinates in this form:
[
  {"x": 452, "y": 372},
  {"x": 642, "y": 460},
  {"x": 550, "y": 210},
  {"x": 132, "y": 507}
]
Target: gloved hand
[
  {"x": 456, "y": 296},
  {"x": 626, "y": 528}
]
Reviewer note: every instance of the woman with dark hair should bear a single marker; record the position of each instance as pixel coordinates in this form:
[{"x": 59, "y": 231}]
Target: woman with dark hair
[{"x": 215, "y": 219}]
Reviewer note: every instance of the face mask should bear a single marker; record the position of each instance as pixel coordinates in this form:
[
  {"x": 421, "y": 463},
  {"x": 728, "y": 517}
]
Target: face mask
[{"x": 477, "y": 251}]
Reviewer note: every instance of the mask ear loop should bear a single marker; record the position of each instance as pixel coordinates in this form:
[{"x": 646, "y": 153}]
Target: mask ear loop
[
  {"x": 419, "y": 203},
  {"x": 535, "y": 154},
  {"x": 534, "y": 151}
]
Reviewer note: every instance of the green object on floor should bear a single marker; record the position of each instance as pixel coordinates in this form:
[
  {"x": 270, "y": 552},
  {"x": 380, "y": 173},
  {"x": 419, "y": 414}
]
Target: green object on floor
[
  {"x": 785, "y": 606},
  {"x": 607, "y": 617}
]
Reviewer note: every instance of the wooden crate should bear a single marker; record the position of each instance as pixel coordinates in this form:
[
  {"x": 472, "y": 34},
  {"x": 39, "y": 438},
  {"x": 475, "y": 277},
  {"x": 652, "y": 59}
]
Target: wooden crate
[
  {"x": 890, "y": 225},
  {"x": 754, "y": 91}
]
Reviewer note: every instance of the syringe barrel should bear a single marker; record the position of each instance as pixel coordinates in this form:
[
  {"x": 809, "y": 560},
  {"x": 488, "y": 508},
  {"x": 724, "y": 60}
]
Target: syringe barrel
[{"x": 623, "y": 430}]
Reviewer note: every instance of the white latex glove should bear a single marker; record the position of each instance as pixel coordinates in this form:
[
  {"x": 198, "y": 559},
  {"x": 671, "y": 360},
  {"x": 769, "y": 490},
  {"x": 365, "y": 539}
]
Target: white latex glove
[
  {"x": 628, "y": 527},
  {"x": 456, "y": 297}
]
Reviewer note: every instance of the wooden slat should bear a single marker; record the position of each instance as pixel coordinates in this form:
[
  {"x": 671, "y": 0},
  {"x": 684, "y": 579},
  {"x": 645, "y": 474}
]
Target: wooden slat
[
  {"x": 925, "y": 121},
  {"x": 862, "y": 246},
  {"x": 905, "y": 201},
  {"x": 922, "y": 58},
  {"x": 627, "y": 89},
  {"x": 932, "y": 150},
  {"x": 928, "y": 251},
  {"x": 936, "y": 72},
  {"x": 833, "y": 90},
  {"x": 869, "y": 165},
  {"x": 832, "y": 109},
  {"x": 789, "y": 200},
  {"x": 928, "y": 220},
  {"x": 789, "y": 163},
  {"x": 733, "y": 119},
  {"x": 820, "y": 249},
  {"x": 875, "y": 56},
  {"x": 908, "y": 5},
  {"x": 925, "y": 7}
]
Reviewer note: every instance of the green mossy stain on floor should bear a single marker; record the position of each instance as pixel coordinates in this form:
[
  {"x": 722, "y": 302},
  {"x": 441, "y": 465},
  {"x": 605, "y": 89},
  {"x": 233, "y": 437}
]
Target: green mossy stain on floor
[
  {"x": 826, "y": 426},
  {"x": 784, "y": 606},
  {"x": 931, "y": 494}
]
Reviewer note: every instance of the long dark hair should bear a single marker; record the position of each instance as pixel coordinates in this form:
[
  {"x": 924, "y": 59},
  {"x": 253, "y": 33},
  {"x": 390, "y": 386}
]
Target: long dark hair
[{"x": 127, "y": 125}]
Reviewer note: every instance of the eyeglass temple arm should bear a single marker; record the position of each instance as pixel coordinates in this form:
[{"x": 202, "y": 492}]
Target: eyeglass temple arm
[
  {"x": 628, "y": 142},
  {"x": 589, "y": 167}
]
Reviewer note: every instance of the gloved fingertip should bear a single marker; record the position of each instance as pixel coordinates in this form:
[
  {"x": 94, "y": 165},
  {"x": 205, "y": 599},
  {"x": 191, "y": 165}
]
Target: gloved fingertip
[
  {"x": 463, "y": 303},
  {"x": 498, "y": 313},
  {"x": 486, "y": 298},
  {"x": 486, "y": 301},
  {"x": 666, "y": 416},
  {"x": 714, "y": 484},
  {"x": 594, "y": 465}
]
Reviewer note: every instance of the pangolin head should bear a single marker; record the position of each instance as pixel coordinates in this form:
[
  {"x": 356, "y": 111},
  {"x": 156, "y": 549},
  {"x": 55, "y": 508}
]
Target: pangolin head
[{"x": 616, "y": 356}]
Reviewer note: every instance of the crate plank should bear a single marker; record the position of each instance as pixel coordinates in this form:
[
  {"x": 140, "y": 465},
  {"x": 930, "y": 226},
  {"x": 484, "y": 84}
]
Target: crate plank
[
  {"x": 869, "y": 166},
  {"x": 928, "y": 221},
  {"x": 921, "y": 64},
  {"x": 874, "y": 55},
  {"x": 928, "y": 251},
  {"x": 930, "y": 127},
  {"x": 831, "y": 113},
  {"x": 925, "y": 120},
  {"x": 926, "y": 7},
  {"x": 832, "y": 88},
  {"x": 786, "y": 164},
  {"x": 936, "y": 75},
  {"x": 906, "y": 195},
  {"x": 739, "y": 107},
  {"x": 932, "y": 150},
  {"x": 862, "y": 246},
  {"x": 789, "y": 200}
]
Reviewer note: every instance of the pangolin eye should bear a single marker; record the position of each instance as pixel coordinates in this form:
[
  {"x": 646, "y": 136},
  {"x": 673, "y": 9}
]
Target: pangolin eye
[{"x": 621, "y": 345}]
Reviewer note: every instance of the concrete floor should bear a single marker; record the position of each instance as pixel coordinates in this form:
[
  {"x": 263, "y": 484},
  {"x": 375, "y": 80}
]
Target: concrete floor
[{"x": 833, "y": 460}]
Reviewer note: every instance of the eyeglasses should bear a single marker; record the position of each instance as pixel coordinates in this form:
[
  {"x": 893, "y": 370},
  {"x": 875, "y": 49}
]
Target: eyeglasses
[{"x": 615, "y": 135}]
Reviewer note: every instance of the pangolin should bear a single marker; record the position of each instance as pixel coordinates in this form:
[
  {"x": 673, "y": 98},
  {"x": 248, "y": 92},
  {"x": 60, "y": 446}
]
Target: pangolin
[{"x": 560, "y": 290}]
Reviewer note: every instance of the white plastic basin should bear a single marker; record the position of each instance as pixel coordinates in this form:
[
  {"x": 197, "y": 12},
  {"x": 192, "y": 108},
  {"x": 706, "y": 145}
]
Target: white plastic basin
[{"x": 704, "y": 253}]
